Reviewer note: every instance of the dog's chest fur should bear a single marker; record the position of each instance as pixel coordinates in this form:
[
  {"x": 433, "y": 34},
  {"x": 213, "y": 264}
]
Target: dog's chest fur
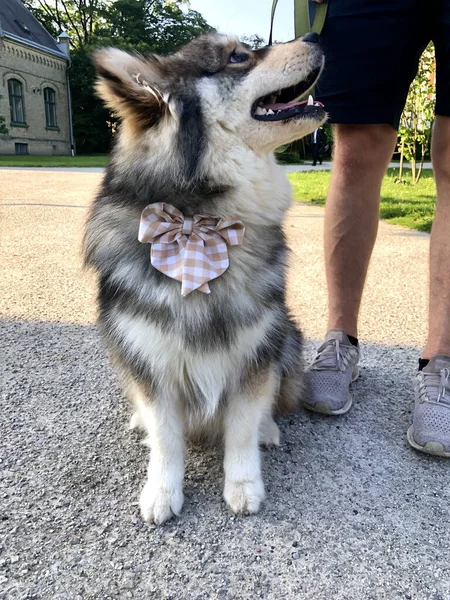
[{"x": 203, "y": 346}]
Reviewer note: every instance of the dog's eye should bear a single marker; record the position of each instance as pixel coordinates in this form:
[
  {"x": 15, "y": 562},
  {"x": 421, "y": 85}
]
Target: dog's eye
[{"x": 235, "y": 57}]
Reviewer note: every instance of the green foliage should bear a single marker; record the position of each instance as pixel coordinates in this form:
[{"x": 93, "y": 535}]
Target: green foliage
[
  {"x": 253, "y": 42},
  {"x": 417, "y": 118},
  {"x": 79, "y": 18},
  {"x": 3, "y": 129},
  {"x": 159, "y": 26},
  {"x": 169, "y": 27},
  {"x": 410, "y": 205},
  {"x": 93, "y": 123}
]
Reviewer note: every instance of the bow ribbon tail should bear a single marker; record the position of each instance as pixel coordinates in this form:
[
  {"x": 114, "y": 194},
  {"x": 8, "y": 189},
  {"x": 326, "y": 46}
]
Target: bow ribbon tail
[{"x": 194, "y": 276}]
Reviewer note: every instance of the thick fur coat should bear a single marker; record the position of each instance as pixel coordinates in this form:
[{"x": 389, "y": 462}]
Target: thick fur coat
[{"x": 195, "y": 134}]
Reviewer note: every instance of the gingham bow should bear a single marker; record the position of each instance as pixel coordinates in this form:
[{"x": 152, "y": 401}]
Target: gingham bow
[{"x": 192, "y": 250}]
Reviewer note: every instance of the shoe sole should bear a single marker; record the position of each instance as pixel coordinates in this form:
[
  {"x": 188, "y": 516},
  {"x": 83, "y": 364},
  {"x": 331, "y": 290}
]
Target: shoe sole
[
  {"x": 434, "y": 448},
  {"x": 324, "y": 408}
]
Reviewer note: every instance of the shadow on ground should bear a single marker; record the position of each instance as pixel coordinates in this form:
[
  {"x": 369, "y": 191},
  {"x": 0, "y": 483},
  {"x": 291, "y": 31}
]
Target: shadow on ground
[{"x": 352, "y": 511}]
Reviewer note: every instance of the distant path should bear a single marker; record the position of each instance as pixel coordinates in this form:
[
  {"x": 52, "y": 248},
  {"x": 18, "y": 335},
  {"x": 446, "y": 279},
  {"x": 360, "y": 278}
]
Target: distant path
[{"x": 326, "y": 166}]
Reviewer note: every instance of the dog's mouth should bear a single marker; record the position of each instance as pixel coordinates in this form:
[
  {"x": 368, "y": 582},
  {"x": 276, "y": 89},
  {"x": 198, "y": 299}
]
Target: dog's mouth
[{"x": 281, "y": 105}]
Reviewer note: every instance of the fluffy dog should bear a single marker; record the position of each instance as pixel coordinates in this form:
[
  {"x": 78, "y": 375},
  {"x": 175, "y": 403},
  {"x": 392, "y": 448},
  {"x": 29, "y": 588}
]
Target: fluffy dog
[{"x": 193, "y": 312}]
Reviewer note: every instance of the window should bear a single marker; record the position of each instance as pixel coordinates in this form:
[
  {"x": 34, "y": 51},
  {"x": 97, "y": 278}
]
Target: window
[
  {"x": 50, "y": 107},
  {"x": 15, "y": 89},
  {"x": 21, "y": 148}
]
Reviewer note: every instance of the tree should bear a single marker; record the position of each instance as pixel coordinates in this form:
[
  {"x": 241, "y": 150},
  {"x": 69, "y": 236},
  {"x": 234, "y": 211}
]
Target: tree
[
  {"x": 417, "y": 117},
  {"x": 146, "y": 26},
  {"x": 254, "y": 42},
  {"x": 3, "y": 129},
  {"x": 79, "y": 18},
  {"x": 162, "y": 24},
  {"x": 93, "y": 124}
]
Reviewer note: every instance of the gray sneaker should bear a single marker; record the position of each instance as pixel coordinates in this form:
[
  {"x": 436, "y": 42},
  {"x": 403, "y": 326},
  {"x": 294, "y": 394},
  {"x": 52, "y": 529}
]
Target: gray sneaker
[
  {"x": 430, "y": 431},
  {"x": 330, "y": 375}
]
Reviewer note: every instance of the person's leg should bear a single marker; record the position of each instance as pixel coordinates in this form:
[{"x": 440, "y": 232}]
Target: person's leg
[
  {"x": 372, "y": 49},
  {"x": 430, "y": 430},
  {"x": 362, "y": 154},
  {"x": 315, "y": 148},
  {"x": 439, "y": 306}
]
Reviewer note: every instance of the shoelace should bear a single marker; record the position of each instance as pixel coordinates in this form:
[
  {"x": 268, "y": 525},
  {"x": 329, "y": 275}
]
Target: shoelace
[
  {"x": 333, "y": 356},
  {"x": 435, "y": 387}
]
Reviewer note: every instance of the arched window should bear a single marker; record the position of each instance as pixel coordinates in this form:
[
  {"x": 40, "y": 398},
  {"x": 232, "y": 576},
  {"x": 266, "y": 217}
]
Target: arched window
[
  {"x": 15, "y": 90},
  {"x": 50, "y": 107}
]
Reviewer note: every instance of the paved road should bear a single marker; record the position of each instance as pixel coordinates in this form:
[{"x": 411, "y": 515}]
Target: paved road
[
  {"x": 326, "y": 166},
  {"x": 352, "y": 512}
]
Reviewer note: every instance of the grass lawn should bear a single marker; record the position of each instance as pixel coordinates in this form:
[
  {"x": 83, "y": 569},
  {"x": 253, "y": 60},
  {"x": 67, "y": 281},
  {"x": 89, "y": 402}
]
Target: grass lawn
[
  {"x": 401, "y": 203},
  {"x": 95, "y": 160}
]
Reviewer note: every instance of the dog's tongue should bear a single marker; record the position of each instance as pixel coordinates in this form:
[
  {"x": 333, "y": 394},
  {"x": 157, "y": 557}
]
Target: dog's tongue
[{"x": 281, "y": 106}]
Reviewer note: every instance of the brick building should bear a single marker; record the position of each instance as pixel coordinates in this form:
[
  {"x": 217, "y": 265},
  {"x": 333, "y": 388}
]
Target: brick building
[{"x": 34, "y": 85}]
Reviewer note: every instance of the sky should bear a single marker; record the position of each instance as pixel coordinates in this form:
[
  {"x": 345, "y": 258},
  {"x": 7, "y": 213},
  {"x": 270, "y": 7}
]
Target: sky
[{"x": 246, "y": 17}]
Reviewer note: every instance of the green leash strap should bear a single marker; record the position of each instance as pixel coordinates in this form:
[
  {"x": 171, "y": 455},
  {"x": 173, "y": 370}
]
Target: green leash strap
[{"x": 301, "y": 18}]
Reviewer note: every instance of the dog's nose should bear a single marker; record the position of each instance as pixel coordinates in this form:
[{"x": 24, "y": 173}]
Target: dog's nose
[{"x": 311, "y": 37}]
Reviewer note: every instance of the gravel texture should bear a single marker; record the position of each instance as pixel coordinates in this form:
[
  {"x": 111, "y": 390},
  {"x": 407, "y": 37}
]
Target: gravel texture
[{"x": 352, "y": 512}]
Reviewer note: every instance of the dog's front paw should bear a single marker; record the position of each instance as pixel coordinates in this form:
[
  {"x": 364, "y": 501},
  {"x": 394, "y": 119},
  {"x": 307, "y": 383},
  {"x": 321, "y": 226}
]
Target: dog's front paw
[
  {"x": 158, "y": 505},
  {"x": 244, "y": 497}
]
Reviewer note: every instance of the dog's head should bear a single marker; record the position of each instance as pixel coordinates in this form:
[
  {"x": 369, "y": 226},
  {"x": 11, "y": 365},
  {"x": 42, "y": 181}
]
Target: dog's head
[{"x": 213, "y": 89}]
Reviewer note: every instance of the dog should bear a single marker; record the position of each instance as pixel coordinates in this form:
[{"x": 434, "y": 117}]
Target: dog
[{"x": 186, "y": 237}]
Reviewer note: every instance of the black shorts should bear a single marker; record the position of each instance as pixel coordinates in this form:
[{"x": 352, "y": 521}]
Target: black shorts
[{"x": 372, "y": 49}]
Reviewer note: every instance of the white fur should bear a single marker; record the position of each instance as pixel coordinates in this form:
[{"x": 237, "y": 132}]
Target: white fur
[
  {"x": 176, "y": 366},
  {"x": 164, "y": 419},
  {"x": 244, "y": 488},
  {"x": 162, "y": 495}
]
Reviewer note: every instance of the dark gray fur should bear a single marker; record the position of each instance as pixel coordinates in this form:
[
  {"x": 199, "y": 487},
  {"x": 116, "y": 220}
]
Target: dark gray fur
[{"x": 220, "y": 316}]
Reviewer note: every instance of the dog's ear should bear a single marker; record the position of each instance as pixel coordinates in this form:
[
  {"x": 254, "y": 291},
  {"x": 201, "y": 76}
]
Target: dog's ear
[{"x": 130, "y": 85}]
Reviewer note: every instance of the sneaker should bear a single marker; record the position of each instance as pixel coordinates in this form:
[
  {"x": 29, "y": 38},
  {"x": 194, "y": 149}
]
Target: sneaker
[
  {"x": 330, "y": 375},
  {"x": 430, "y": 431}
]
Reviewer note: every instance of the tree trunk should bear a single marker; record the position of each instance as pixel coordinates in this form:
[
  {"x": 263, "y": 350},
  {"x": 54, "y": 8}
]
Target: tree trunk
[
  {"x": 413, "y": 168},
  {"x": 419, "y": 171},
  {"x": 402, "y": 157}
]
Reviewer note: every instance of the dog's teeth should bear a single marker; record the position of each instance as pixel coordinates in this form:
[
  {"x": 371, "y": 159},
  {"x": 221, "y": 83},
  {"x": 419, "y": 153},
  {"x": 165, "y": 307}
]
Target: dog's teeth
[
  {"x": 260, "y": 111},
  {"x": 270, "y": 112},
  {"x": 310, "y": 100}
]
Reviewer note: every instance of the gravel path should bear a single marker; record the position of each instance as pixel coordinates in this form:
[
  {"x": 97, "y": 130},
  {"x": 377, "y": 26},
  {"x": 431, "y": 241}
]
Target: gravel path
[{"x": 352, "y": 512}]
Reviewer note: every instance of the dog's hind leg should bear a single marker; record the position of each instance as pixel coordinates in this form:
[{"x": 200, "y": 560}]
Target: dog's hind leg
[
  {"x": 162, "y": 495},
  {"x": 136, "y": 421},
  {"x": 244, "y": 488},
  {"x": 292, "y": 380},
  {"x": 269, "y": 433}
]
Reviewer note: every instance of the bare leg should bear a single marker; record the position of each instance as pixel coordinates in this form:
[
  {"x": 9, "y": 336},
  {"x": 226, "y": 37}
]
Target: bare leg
[
  {"x": 244, "y": 488},
  {"x": 362, "y": 154},
  {"x": 439, "y": 307},
  {"x": 162, "y": 496}
]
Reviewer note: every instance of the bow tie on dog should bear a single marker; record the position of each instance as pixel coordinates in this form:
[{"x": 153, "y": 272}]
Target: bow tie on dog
[{"x": 192, "y": 250}]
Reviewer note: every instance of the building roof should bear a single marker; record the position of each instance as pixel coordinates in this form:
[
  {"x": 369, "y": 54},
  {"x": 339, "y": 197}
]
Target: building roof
[{"x": 17, "y": 22}]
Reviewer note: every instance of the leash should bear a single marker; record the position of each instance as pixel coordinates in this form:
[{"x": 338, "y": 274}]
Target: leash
[{"x": 302, "y": 18}]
